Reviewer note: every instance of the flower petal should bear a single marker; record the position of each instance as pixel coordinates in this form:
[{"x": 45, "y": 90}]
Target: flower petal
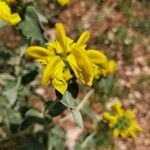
[
  {"x": 49, "y": 70},
  {"x": 36, "y": 52},
  {"x": 98, "y": 58},
  {"x": 63, "y": 2},
  {"x": 81, "y": 65},
  {"x": 14, "y": 19},
  {"x": 118, "y": 108},
  {"x": 110, "y": 118},
  {"x": 83, "y": 39},
  {"x": 6, "y": 15},
  {"x": 111, "y": 67},
  {"x": 61, "y": 35},
  {"x": 116, "y": 133},
  {"x": 59, "y": 81}
]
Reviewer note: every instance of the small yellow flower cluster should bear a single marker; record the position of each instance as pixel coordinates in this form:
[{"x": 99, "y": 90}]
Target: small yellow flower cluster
[
  {"x": 7, "y": 15},
  {"x": 63, "y": 58},
  {"x": 63, "y": 2},
  {"x": 123, "y": 122}
]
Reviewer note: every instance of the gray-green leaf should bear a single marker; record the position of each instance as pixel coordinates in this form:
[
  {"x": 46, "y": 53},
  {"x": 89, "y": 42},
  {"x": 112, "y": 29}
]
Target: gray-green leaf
[
  {"x": 77, "y": 117},
  {"x": 68, "y": 100},
  {"x": 30, "y": 26}
]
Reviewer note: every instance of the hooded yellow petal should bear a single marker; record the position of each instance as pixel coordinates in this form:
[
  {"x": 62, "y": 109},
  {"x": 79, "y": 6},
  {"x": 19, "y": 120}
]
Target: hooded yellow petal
[
  {"x": 62, "y": 43},
  {"x": 73, "y": 64},
  {"x": 110, "y": 118},
  {"x": 111, "y": 67},
  {"x": 61, "y": 35},
  {"x": 98, "y": 58},
  {"x": 63, "y": 2},
  {"x": 59, "y": 81},
  {"x": 60, "y": 85},
  {"x": 132, "y": 134},
  {"x": 123, "y": 134},
  {"x": 129, "y": 114},
  {"x": 83, "y": 39},
  {"x": 56, "y": 46},
  {"x": 137, "y": 128},
  {"x": 67, "y": 75},
  {"x": 36, "y": 52},
  {"x": 49, "y": 70},
  {"x": 117, "y": 108},
  {"x": 81, "y": 65},
  {"x": 116, "y": 133},
  {"x": 14, "y": 19},
  {"x": 6, "y": 15}
]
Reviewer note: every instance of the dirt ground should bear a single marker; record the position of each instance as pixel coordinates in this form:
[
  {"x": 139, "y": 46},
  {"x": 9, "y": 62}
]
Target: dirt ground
[
  {"x": 120, "y": 29},
  {"x": 101, "y": 17}
]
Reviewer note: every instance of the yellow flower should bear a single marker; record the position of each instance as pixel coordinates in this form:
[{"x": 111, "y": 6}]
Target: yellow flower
[
  {"x": 109, "y": 70},
  {"x": 68, "y": 58},
  {"x": 63, "y": 2},
  {"x": 6, "y": 15},
  {"x": 60, "y": 58},
  {"x": 97, "y": 59},
  {"x": 123, "y": 122}
]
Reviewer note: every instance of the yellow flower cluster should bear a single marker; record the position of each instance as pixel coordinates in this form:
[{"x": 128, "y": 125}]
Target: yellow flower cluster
[
  {"x": 63, "y": 2},
  {"x": 7, "y": 15},
  {"x": 123, "y": 122},
  {"x": 63, "y": 58}
]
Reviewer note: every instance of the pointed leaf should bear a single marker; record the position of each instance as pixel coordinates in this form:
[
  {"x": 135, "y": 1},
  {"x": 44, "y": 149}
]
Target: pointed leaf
[
  {"x": 68, "y": 100},
  {"x": 77, "y": 117}
]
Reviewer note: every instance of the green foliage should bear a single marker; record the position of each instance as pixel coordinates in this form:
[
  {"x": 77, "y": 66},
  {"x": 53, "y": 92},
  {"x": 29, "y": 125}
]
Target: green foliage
[
  {"x": 126, "y": 41},
  {"x": 56, "y": 139},
  {"x": 27, "y": 114},
  {"x": 54, "y": 108},
  {"x": 104, "y": 136},
  {"x": 126, "y": 6},
  {"x": 77, "y": 117},
  {"x": 68, "y": 100},
  {"x": 31, "y": 27},
  {"x": 105, "y": 88},
  {"x": 142, "y": 25},
  {"x": 28, "y": 77}
]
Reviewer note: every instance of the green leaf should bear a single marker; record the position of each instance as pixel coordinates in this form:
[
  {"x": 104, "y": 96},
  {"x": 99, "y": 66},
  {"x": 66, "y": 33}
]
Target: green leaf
[
  {"x": 88, "y": 112},
  {"x": 105, "y": 88},
  {"x": 34, "y": 113},
  {"x": 11, "y": 92},
  {"x": 30, "y": 121},
  {"x": 29, "y": 77},
  {"x": 73, "y": 89},
  {"x": 30, "y": 26},
  {"x": 56, "y": 139},
  {"x": 68, "y": 100},
  {"x": 77, "y": 117},
  {"x": 11, "y": 95},
  {"x": 54, "y": 108},
  {"x": 12, "y": 116},
  {"x": 104, "y": 137}
]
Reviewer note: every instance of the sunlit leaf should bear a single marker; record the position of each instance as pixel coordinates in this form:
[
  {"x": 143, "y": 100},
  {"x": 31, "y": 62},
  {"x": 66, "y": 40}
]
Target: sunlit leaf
[
  {"x": 77, "y": 117},
  {"x": 30, "y": 26},
  {"x": 68, "y": 100}
]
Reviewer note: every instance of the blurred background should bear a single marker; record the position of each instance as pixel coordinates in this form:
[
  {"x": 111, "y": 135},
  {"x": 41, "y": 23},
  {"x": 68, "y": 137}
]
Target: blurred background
[{"x": 121, "y": 29}]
